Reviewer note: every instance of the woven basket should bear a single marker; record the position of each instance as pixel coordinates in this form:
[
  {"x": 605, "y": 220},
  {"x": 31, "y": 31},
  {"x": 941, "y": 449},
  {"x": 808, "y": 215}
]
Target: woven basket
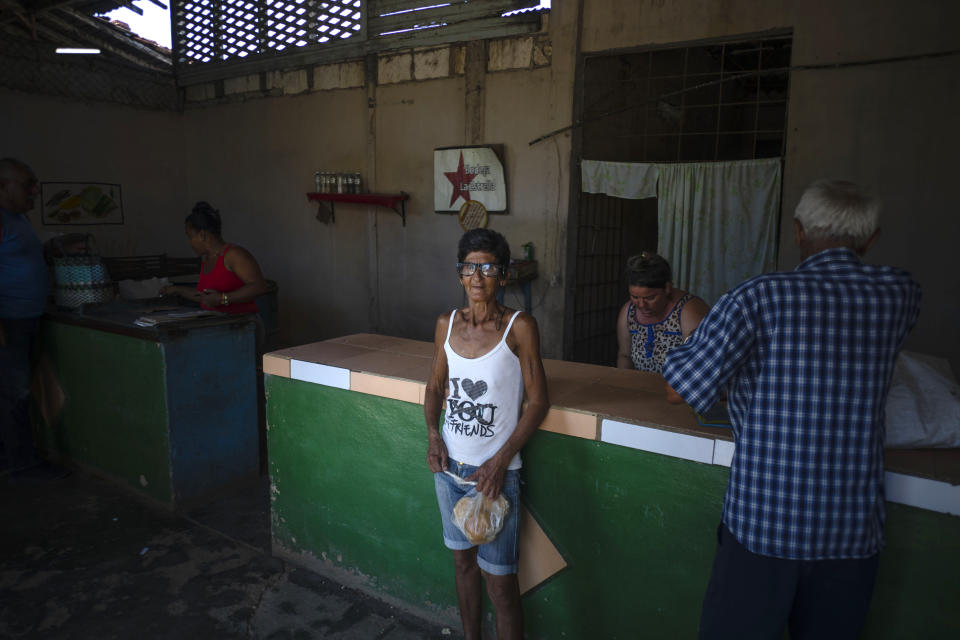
[
  {"x": 77, "y": 295},
  {"x": 81, "y": 279},
  {"x": 79, "y": 270}
]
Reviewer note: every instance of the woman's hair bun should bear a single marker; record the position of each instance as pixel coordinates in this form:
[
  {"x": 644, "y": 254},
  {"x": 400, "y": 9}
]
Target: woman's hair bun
[
  {"x": 205, "y": 208},
  {"x": 203, "y": 217}
]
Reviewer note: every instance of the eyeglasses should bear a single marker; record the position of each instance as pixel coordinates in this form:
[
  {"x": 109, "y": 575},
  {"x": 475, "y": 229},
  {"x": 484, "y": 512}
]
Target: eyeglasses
[{"x": 487, "y": 269}]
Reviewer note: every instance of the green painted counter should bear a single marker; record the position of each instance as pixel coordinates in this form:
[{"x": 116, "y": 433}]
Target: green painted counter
[
  {"x": 352, "y": 498},
  {"x": 170, "y": 412}
]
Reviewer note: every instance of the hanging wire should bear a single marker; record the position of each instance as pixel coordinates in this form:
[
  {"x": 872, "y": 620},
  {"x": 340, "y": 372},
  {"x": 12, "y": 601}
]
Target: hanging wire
[{"x": 764, "y": 72}]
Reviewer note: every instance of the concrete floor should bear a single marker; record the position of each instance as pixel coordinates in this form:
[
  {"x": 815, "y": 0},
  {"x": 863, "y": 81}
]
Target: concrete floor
[{"x": 81, "y": 557}]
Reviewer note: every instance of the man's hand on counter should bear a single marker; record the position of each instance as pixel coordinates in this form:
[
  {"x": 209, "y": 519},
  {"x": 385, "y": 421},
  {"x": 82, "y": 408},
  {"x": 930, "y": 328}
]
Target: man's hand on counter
[
  {"x": 672, "y": 396},
  {"x": 437, "y": 458}
]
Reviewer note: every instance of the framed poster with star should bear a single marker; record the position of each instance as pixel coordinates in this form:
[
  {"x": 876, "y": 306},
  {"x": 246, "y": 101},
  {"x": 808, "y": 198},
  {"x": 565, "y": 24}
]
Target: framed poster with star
[{"x": 469, "y": 173}]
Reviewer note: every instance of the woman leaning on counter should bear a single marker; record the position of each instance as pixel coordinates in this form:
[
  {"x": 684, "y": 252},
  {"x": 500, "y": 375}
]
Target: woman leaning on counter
[
  {"x": 657, "y": 317},
  {"x": 485, "y": 357},
  {"x": 230, "y": 278}
]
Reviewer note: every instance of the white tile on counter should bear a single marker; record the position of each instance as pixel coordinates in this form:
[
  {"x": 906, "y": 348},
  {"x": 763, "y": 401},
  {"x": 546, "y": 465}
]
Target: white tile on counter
[
  {"x": 722, "y": 452},
  {"x": 668, "y": 443},
  {"x": 924, "y": 493},
  {"x": 320, "y": 374}
]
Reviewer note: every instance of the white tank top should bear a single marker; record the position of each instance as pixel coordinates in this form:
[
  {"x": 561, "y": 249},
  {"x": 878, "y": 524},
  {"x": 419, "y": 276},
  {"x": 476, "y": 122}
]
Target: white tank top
[{"x": 483, "y": 402}]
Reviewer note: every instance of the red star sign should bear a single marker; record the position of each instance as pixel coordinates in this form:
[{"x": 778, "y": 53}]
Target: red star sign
[{"x": 459, "y": 179}]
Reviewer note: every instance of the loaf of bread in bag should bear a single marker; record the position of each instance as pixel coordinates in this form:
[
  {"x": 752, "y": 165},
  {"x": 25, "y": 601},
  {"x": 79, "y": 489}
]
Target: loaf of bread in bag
[{"x": 481, "y": 520}]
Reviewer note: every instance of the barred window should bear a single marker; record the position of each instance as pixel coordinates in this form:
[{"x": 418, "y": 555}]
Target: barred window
[
  {"x": 714, "y": 102},
  {"x": 223, "y": 29},
  {"x": 218, "y": 31}
]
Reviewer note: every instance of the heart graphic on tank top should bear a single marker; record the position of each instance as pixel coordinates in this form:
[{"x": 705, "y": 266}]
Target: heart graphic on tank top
[{"x": 474, "y": 389}]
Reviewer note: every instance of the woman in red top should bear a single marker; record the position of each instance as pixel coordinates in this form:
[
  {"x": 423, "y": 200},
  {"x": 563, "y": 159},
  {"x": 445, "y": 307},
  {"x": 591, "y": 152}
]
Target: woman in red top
[{"x": 230, "y": 278}]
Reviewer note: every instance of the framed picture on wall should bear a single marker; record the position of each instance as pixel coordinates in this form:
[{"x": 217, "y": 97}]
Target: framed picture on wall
[
  {"x": 80, "y": 203},
  {"x": 469, "y": 173}
]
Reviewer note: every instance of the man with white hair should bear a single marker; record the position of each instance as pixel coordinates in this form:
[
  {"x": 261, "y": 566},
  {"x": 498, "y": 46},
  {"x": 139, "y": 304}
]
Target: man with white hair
[
  {"x": 805, "y": 358},
  {"x": 24, "y": 282}
]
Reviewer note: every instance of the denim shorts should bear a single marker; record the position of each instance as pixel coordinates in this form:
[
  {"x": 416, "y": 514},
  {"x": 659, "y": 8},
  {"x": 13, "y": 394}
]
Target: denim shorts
[{"x": 500, "y": 556}]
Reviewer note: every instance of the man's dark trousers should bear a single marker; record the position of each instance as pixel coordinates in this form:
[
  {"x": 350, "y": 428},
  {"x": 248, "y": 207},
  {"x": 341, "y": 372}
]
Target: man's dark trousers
[{"x": 17, "y": 449}]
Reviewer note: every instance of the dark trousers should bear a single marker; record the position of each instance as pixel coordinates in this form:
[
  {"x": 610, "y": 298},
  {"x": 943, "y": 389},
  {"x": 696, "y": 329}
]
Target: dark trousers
[
  {"x": 754, "y": 596},
  {"x": 17, "y": 449}
]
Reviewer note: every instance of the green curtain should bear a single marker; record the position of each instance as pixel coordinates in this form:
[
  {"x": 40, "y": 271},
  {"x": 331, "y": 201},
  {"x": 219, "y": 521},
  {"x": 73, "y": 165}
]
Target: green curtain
[{"x": 718, "y": 222}]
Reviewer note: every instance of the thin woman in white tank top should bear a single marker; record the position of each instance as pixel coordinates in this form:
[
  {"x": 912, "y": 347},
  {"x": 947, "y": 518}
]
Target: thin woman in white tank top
[{"x": 482, "y": 370}]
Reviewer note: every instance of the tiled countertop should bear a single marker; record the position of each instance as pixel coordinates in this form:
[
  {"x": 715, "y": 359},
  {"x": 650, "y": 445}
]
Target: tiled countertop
[{"x": 589, "y": 401}]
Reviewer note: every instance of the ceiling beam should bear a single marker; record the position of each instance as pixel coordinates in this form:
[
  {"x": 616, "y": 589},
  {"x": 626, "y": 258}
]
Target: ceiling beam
[
  {"x": 11, "y": 11},
  {"x": 51, "y": 35},
  {"x": 15, "y": 13},
  {"x": 35, "y": 7},
  {"x": 62, "y": 33},
  {"x": 132, "y": 7}
]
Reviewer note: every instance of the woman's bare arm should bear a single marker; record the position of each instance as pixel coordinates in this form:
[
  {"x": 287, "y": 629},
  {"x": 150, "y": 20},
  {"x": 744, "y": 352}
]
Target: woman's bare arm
[
  {"x": 693, "y": 312},
  {"x": 433, "y": 398}
]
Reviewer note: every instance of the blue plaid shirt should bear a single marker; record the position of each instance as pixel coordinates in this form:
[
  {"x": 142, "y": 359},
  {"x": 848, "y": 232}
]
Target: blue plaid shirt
[{"x": 806, "y": 358}]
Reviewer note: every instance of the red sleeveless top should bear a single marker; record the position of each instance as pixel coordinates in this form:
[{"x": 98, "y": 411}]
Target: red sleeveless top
[{"x": 223, "y": 280}]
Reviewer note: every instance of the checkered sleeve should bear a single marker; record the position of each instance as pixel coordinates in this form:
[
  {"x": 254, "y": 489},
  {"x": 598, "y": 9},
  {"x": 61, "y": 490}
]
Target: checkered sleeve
[{"x": 700, "y": 369}]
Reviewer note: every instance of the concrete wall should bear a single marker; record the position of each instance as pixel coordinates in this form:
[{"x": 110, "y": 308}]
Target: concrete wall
[
  {"x": 255, "y": 160},
  {"x": 251, "y": 144},
  {"x": 139, "y": 149},
  {"x": 886, "y": 126},
  {"x": 254, "y": 142}
]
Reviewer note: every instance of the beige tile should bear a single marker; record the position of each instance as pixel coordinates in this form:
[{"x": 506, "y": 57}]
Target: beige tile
[
  {"x": 571, "y": 423},
  {"x": 539, "y": 559},
  {"x": 329, "y": 353},
  {"x": 388, "y": 344},
  {"x": 921, "y": 462},
  {"x": 367, "y": 340},
  {"x": 423, "y": 393},
  {"x": 638, "y": 405},
  {"x": 946, "y": 462},
  {"x": 386, "y": 387},
  {"x": 388, "y": 364},
  {"x": 276, "y": 365},
  {"x": 416, "y": 348}
]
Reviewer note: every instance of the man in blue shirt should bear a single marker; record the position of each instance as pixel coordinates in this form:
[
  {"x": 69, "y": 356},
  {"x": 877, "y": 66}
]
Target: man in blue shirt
[
  {"x": 805, "y": 358},
  {"x": 24, "y": 282}
]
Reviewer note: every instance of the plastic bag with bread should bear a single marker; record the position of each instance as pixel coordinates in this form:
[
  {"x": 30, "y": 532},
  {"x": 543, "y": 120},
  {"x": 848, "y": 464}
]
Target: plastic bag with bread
[{"x": 480, "y": 518}]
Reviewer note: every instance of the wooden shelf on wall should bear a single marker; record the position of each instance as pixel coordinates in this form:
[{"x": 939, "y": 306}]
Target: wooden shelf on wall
[{"x": 388, "y": 200}]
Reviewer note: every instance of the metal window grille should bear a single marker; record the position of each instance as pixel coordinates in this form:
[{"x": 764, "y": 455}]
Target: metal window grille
[
  {"x": 211, "y": 30},
  {"x": 724, "y": 101},
  {"x": 247, "y": 35},
  {"x": 713, "y": 102}
]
